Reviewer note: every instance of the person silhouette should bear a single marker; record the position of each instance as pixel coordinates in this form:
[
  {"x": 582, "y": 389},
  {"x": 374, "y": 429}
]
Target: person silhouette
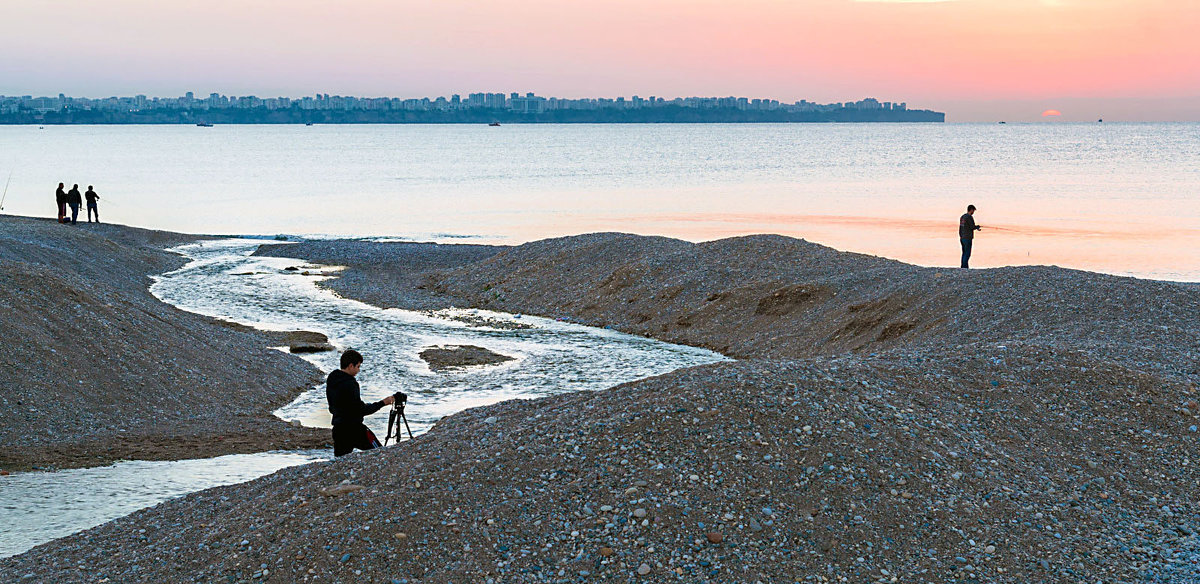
[
  {"x": 74, "y": 200},
  {"x": 966, "y": 234},
  {"x": 60, "y": 197},
  {"x": 92, "y": 197}
]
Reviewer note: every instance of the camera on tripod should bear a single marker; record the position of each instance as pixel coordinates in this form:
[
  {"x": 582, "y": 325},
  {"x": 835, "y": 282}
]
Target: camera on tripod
[{"x": 400, "y": 399}]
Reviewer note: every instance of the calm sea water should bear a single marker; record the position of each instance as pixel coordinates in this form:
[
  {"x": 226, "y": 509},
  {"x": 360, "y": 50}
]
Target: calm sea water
[{"x": 1118, "y": 198}]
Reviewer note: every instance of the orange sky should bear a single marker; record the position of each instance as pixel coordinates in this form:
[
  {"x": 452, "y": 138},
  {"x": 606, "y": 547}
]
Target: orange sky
[{"x": 957, "y": 55}]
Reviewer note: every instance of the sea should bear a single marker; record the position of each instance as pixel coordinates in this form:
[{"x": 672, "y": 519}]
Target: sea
[{"x": 1120, "y": 198}]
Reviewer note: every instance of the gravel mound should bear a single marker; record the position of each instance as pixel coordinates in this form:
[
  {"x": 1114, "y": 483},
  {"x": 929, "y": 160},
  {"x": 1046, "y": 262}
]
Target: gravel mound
[
  {"x": 96, "y": 369},
  {"x": 889, "y": 423},
  {"x": 989, "y": 464}
]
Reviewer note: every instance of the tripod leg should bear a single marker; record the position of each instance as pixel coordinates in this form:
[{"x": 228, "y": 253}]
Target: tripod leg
[
  {"x": 405, "y": 425},
  {"x": 391, "y": 424}
]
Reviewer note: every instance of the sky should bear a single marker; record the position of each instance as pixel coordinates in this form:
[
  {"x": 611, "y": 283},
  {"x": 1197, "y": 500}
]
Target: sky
[{"x": 978, "y": 60}]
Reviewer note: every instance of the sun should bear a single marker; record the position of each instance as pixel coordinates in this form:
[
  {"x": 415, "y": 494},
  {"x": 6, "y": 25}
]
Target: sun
[{"x": 1051, "y": 112}]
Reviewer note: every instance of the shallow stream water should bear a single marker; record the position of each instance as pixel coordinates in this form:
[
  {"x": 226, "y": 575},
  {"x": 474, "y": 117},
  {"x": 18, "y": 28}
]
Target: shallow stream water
[
  {"x": 224, "y": 280},
  {"x": 549, "y": 356}
]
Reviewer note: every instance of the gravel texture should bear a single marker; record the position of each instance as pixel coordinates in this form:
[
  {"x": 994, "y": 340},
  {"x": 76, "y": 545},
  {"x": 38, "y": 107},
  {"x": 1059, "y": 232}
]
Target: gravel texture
[
  {"x": 887, "y": 423},
  {"x": 96, "y": 369}
]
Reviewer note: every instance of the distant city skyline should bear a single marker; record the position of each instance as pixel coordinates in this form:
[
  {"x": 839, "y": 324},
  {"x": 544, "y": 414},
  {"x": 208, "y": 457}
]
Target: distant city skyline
[
  {"x": 524, "y": 102},
  {"x": 975, "y": 59},
  {"x": 474, "y": 107}
]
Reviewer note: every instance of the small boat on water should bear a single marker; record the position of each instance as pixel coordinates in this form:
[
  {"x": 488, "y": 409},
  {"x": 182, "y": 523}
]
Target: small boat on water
[
  {"x": 308, "y": 123},
  {"x": 204, "y": 124},
  {"x": 494, "y": 124}
]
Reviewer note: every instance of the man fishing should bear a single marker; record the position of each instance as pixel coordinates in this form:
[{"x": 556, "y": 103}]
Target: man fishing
[
  {"x": 92, "y": 197},
  {"x": 348, "y": 409},
  {"x": 966, "y": 234}
]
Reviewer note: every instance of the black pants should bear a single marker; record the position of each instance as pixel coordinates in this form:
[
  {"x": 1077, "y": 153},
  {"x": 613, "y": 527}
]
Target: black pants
[
  {"x": 347, "y": 437},
  {"x": 966, "y": 245}
]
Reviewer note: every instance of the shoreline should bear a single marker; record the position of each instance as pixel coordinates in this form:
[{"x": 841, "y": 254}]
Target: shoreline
[{"x": 1005, "y": 425}]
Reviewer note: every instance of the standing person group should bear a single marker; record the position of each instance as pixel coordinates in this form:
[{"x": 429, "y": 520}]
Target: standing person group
[{"x": 74, "y": 200}]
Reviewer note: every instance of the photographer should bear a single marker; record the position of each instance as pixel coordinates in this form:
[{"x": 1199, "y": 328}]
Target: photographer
[{"x": 348, "y": 409}]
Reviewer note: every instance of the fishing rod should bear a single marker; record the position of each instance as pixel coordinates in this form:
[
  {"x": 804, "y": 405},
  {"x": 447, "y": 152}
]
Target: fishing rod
[{"x": 5, "y": 195}]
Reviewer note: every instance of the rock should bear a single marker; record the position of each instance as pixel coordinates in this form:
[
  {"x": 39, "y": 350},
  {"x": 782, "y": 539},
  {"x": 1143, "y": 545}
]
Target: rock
[
  {"x": 639, "y": 513},
  {"x": 755, "y": 526},
  {"x": 310, "y": 348},
  {"x": 336, "y": 490},
  {"x": 714, "y": 537},
  {"x": 606, "y": 552},
  {"x": 401, "y": 536},
  {"x": 450, "y": 356},
  {"x": 307, "y": 342},
  {"x": 643, "y": 569}
]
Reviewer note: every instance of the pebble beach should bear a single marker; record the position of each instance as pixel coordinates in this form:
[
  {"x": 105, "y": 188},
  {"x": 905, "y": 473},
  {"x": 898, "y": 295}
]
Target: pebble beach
[{"x": 882, "y": 422}]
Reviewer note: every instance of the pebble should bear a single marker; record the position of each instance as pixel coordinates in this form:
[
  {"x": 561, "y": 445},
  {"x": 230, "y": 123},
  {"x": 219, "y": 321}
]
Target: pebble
[
  {"x": 643, "y": 569},
  {"x": 337, "y": 490},
  {"x": 714, "y": 537},
  {"x": 639, "y": 513}
]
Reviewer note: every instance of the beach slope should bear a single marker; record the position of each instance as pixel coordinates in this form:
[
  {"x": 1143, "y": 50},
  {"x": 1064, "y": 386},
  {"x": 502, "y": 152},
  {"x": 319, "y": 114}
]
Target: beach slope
[{"x": 95, "y": 369}]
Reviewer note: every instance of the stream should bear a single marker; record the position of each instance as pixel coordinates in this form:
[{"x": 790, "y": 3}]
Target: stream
[{"x": 223, "y": 280}]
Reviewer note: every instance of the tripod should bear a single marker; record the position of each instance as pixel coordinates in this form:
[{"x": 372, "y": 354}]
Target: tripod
[{"x": 397, "y": 412}]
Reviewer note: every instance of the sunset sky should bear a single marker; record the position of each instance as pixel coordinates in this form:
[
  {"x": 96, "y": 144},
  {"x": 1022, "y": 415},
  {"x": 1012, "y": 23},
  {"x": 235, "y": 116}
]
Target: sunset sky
[{"x": 974, "y": 59}]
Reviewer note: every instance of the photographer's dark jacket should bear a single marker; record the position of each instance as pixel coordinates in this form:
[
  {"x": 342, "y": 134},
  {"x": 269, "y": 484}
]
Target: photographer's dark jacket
[{"x": 341, "y": 389}]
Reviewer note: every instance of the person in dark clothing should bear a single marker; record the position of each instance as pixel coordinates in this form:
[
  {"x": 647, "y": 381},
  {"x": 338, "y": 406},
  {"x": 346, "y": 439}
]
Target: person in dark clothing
[
  {"x": 966, "y": 234},
  {"x": 92, "y": 197},
  {"x": 348, "y": 409},
  {"x": 74, "y": 199},
  {"x": 60, "y": 197}
]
